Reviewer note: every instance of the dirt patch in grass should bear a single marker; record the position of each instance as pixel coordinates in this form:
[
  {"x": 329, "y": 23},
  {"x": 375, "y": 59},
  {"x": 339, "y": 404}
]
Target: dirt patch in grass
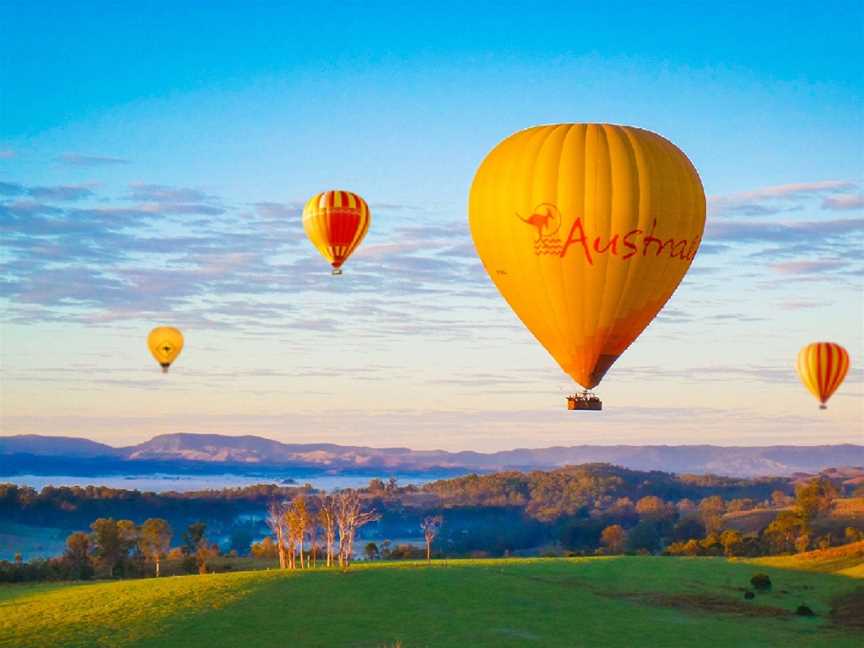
[
  {"x": 847, "y": 611},
  {"x": 710, "y": 603}
]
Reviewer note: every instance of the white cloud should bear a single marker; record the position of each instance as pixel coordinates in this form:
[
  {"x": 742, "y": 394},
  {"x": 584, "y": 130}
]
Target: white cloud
[
  {"x": 80, "y": 159},
  {"x": 844, "y": 202},
  {"x": 776, "y": 199}
]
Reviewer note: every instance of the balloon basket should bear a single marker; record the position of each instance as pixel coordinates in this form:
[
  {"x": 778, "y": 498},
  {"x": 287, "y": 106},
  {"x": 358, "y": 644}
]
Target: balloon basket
[
  {"x": 165, "y": 368},
  {"x": 336, "y": 272},
  {"x": 586, "y": 401},
  {"x": 823, "y": 406}
]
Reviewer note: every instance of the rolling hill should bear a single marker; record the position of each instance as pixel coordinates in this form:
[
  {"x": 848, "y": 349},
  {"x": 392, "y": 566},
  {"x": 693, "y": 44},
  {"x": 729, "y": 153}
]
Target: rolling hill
[
  {"x": 55, "y": 446},
  {"x": 616, "y": 601}
]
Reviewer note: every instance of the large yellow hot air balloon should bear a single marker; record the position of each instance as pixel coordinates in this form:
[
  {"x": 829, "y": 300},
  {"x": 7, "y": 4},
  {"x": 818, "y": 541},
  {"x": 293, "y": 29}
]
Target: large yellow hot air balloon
[
  {"x": 166, "y": 343},
  {"x": 822, "y": 366},
  {"x": 336, "y": 222},
  {"x": 586, "y": 230}
]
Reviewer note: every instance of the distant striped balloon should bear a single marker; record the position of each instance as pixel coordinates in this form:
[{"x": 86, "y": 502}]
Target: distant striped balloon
[
  {"x": 822, "y": 366},
  {"x": 336, "y": 222}
]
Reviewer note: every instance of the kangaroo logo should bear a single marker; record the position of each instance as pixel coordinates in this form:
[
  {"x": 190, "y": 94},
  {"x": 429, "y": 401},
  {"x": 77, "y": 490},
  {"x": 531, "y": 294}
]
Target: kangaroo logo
[{"x": 546, "y": 219}]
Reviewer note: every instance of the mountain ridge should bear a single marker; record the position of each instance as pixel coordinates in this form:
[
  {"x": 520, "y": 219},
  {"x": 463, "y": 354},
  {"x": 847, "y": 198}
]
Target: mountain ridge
[{"x": 250, "y": 451}]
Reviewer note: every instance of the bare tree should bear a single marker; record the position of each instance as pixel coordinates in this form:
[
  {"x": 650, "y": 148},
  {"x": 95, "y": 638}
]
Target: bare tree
[
  {"x": 327, "y": 518},
  {"x": 431, "y": 525},
  {"x": 298, "y": 523},
  {"x": 349, "y": 518},
  {"x": 276, "y": 522},
  {"x": 291, "y": 539},
  {"x": 312, "y": 534}
]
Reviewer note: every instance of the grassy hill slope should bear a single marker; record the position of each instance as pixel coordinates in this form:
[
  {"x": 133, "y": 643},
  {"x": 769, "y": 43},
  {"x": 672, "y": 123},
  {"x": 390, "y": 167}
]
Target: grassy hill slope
[
  {"x": 845, "y": 513},
  {"x": 847, "y": 560},
  {"x": 622, "y": 601}
]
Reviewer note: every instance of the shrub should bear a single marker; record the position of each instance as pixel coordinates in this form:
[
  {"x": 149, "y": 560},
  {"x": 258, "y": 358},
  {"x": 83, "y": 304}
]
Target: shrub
[
  {"x": 189, "y": 565},
  {"x": 749, "y": 594},
  {"x": 410, "y": 552},
  {"x": 804, "y": 610},
  {"x": 761, "y": 582}
]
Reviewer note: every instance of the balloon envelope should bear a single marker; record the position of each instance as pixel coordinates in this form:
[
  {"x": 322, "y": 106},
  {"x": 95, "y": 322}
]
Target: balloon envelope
[
  {"x": 165, "y": 343},
  {"x": 822, "y": 366},
  {"x": 336, "y": 222},
  {"x": 586, "y": 230}
]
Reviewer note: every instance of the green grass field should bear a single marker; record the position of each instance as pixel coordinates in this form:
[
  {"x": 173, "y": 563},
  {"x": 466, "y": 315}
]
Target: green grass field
[{"x": 615, "y": 601}]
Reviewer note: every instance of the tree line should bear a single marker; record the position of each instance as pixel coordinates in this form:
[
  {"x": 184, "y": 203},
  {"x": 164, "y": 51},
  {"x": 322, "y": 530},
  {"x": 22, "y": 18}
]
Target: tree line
[
  {"x": 801, "y": 525},
  {"x": 121, "y": 549},
  {"x": 581, "y": 510},
  {"x": 76, "y": 506},
  {"x": 117, "y": 549}
]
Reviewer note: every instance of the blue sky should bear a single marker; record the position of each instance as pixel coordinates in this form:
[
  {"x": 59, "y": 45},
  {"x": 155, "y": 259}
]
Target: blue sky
[{"x": 153, "y": 160}]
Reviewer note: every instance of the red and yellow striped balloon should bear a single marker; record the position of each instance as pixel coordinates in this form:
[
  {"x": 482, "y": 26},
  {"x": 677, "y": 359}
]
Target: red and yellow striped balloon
[
  {"x": 336, "y": 222},
  {"x": 822, "y": 366}
]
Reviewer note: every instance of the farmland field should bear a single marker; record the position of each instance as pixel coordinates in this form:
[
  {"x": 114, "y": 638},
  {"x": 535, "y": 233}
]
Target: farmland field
[{"x": 614, "y": 601}]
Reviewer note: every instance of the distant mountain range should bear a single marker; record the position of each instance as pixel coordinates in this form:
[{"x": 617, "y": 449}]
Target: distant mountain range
[{"x": 244, "y": 454}]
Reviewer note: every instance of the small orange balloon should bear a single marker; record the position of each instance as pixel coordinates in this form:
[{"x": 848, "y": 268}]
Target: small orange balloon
[{"x": 165, "y": 343}]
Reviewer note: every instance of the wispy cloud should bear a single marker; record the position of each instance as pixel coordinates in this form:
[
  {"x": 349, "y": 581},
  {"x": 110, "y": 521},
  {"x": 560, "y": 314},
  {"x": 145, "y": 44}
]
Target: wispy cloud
[
  {"x": 57, "y": 193},
  {"x": 712, "y": 373},
  {"x": 12, "y": 189},
  {"x": 165, "y": 194},
  {"x": 278, "y": 210},
  {"x": 80, "y": 159},
  {"x": 790, "y": 190},
  {"x": 61, "y": 193},
  {"x": 164, "y": 248},
  {"x": 713, "y": 248},
  {"x": 808, "y": 267},
  {"x": 777, "y": 199},
  {"x": 166, "y": 208},
  {"x": 841, "y": 203},
  {"x": 395, "y": 207},
  {"x": 7, "y": 154},
  {"x": 801, "y": 304},
  {"x": 749, "y": 231},
  {"x": 22, "y": 208}
]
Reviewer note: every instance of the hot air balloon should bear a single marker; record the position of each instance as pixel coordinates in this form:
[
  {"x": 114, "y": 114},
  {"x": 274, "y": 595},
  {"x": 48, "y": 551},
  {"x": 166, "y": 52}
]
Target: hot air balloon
[
  {"x": 822, "y": 366},
  {"x": 336, "y": 222},
  {"x": 166, "y": 343},
  {"x": 586, "y": 230}
]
